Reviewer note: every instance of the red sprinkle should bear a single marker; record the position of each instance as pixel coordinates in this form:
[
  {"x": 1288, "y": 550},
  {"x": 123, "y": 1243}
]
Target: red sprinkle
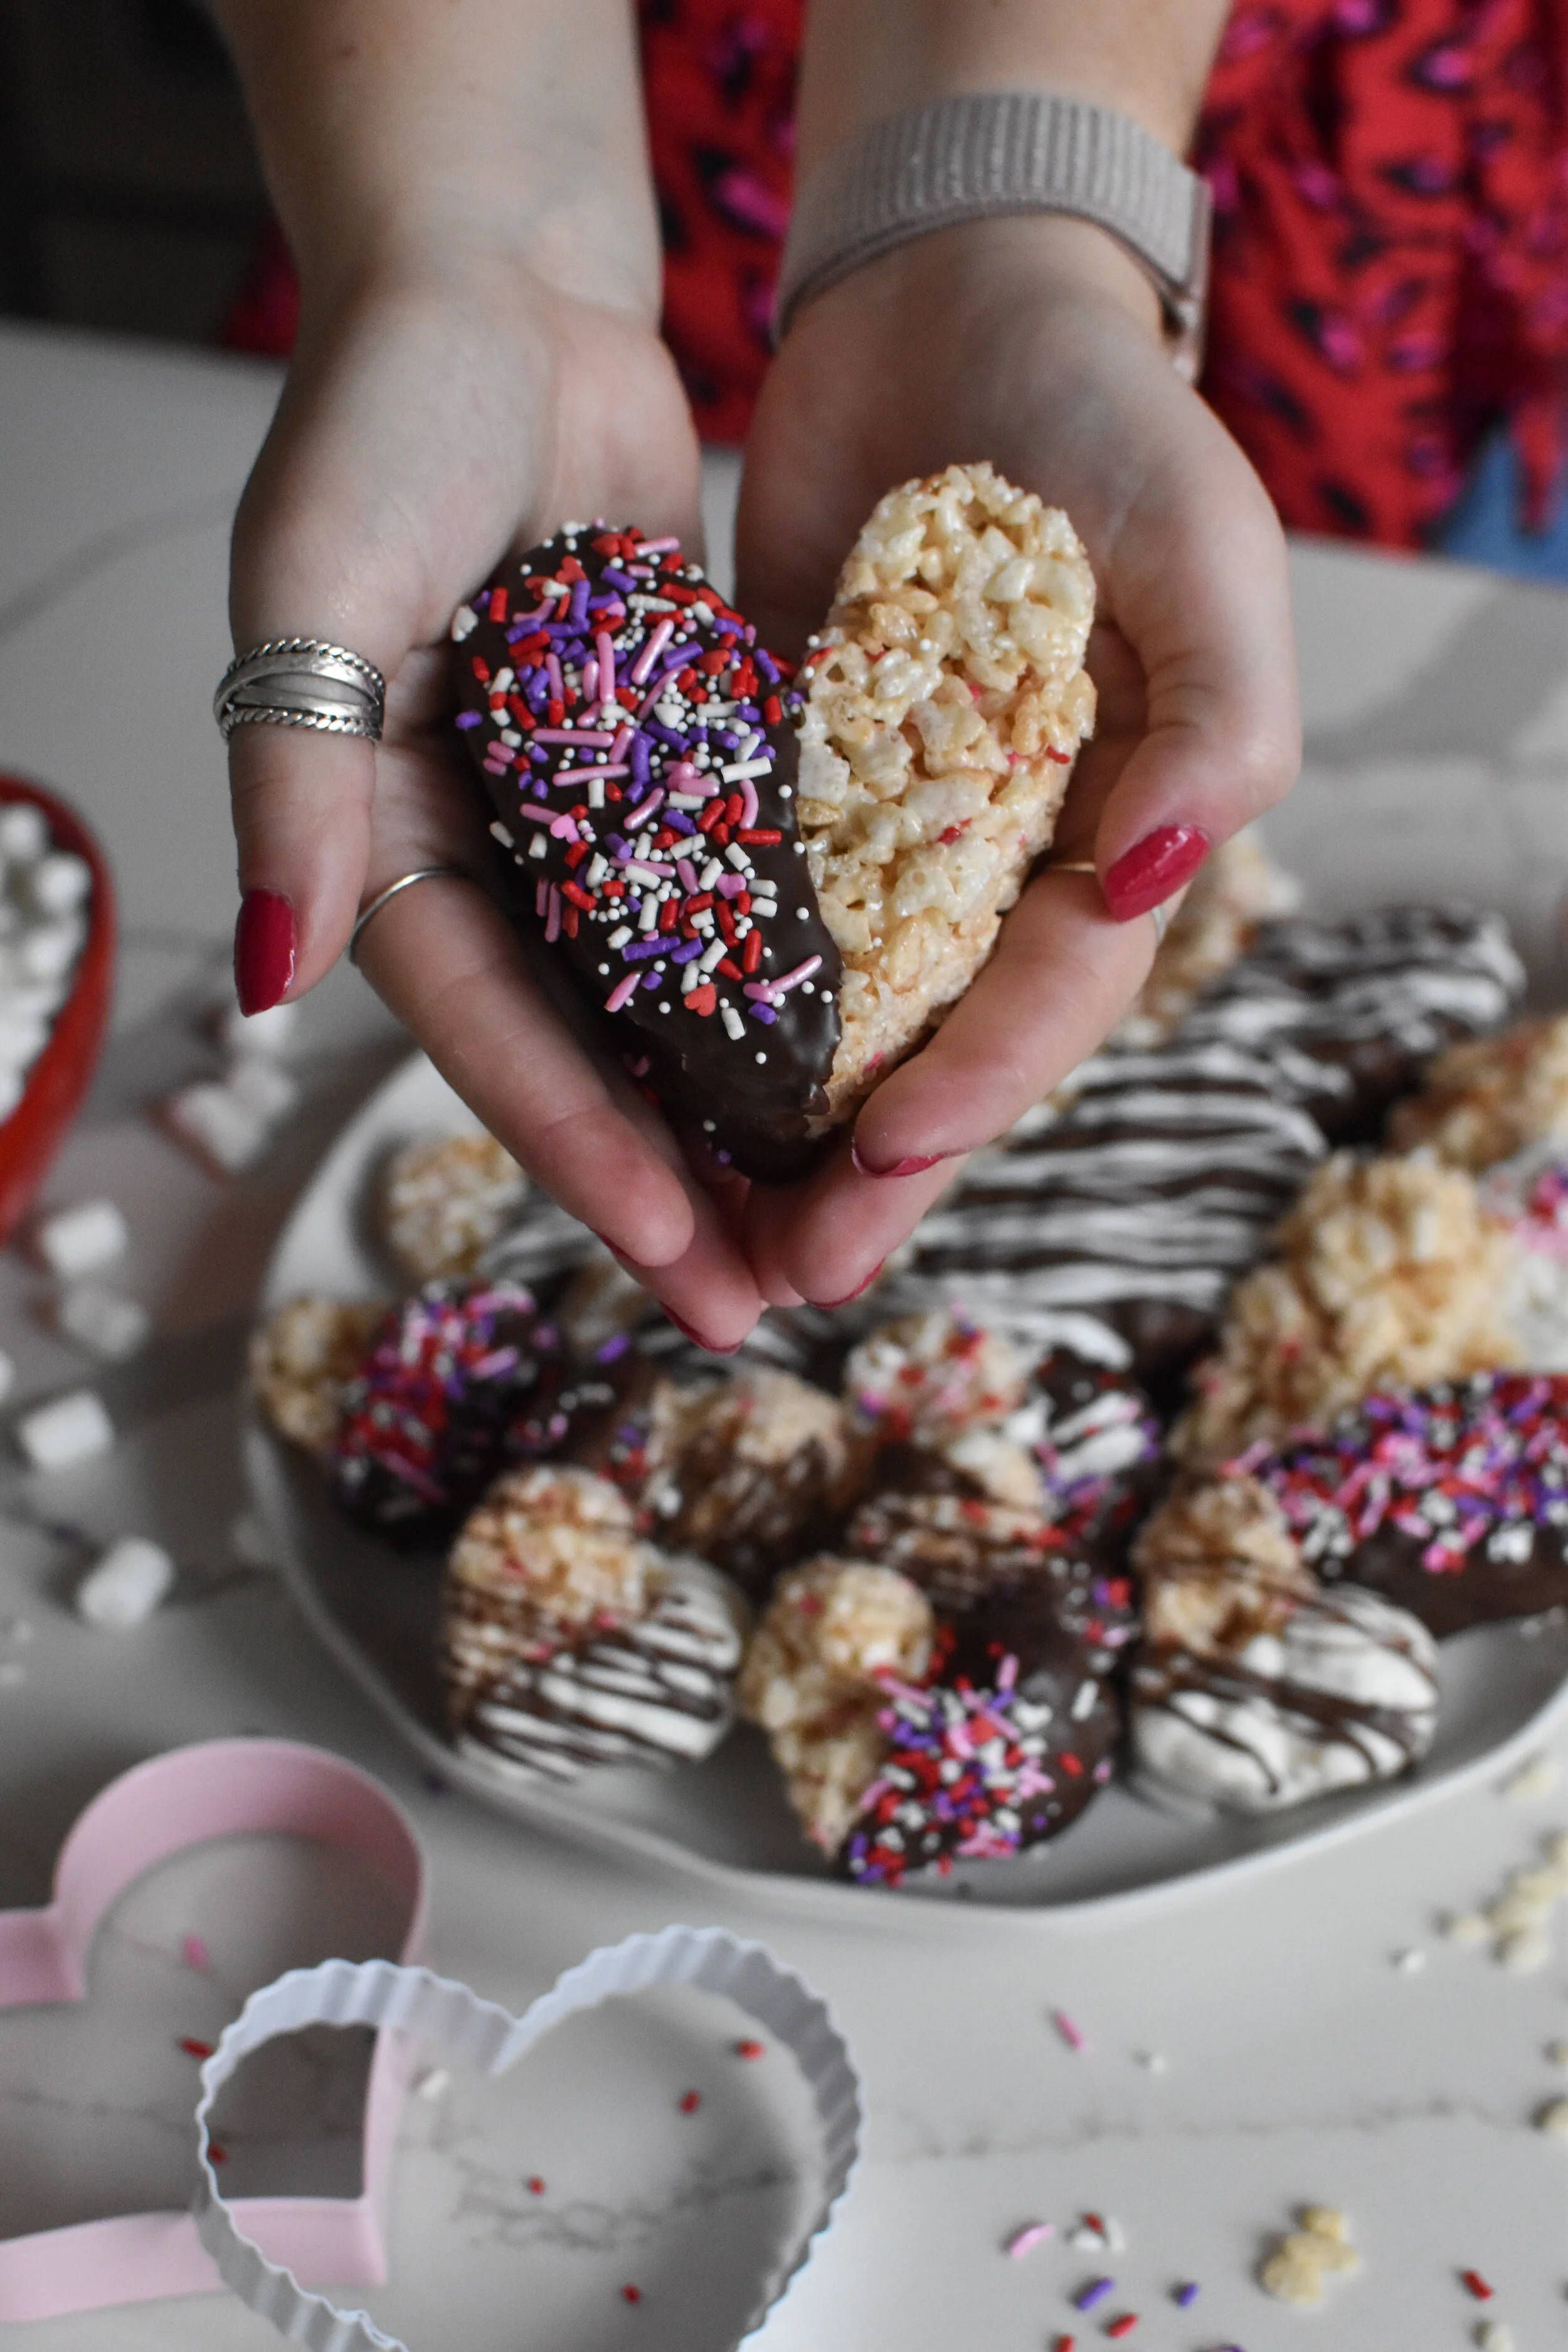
[
  {"x": 1478, "y": 2285},
  {"x": 498, "y": 603},
  {"x": 691, "y": 2102},
  {"x": 730, "y": 968},
  {"x": 631, "y": 2295},
  {"x": 770, "y": 710},
  {"x": 218, "y": 2155},
  {"x": 194, "y": 2049},
  {"x": 749, "y": 2048},
  {"x": 761, "y": 836},
  {"x": 752, "y": 952},
  {"x": 1124, "y": 2325}
]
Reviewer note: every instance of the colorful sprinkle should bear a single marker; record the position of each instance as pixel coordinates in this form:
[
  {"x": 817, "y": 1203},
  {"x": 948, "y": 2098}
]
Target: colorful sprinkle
[
  {"x": 631, "y": 2295},
  {"x": 536, "y": 2187},
  {"x": 749, "y": 2048},
  {"x": 1095, "y": 2292},
  {"x": 1075, "y": 2038},
  {"x": 195, "y": 2048},
  {"x": 1477, "y": 2285},
  {"x": 1124, "y": 2326},
  {"x": 1032, "y": 2235},
  {"x": 689, "y": 2101},
  {"x": 195, "y": 1953},
  {"x": 1186, "y": 2294}
]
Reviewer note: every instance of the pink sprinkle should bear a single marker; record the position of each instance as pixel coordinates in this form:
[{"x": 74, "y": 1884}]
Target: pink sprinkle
[
  {"x": 564, "y": 827},
  {"x": 658, "y": 546},
  {"x": 585, "y": 775},
  {"x": 748, "y": 800},
  {"x": 195, "y": 1953},
  {"x": 623, "y": 989},
  {"x": 540, "y": 896},
  {"x": 1071, "y": 2035},
  {"x": 651, "y": 651},
  {"x": 590, "y": 680},
  {"x": 606, "y": 653},
  {"x": 622, "y": 738},
  {"x": 1032, "y": 2235},
  {"x": 684, "y": 778},
  {"x": 802, "y": 971},
  {"x": 552, "y": 672},
  {"x": 553, "y": 919},
  {"x": 587, "y": 739},
  {"x": 644, "y": 810},
  {"x": 687, "y": 873}
]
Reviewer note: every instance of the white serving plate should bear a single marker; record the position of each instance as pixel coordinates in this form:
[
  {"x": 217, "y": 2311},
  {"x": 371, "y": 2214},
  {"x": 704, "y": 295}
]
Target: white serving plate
[{"x": 726, "y": 1820}]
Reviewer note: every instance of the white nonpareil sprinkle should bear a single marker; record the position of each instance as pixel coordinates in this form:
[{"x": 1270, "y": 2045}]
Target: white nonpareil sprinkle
[
  {"x": 127, "y": 1585},
  {"x": 73, "y": 1428},
  {"x": 104, "y": 1322},
  {"x": 79, "y": 1241},
  {"x": 1410, "y": 1963},
  {"x": 1154, "y": 2062},
  {"x": 59, "y": 883},
  {"x": 1495, "y": 2335},
  {"x": 212, "y": 1121}
]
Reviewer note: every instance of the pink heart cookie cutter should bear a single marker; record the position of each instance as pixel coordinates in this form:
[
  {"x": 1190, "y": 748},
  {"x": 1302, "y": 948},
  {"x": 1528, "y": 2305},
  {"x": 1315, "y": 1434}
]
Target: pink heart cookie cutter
[{"x": 220, "y": 1788}]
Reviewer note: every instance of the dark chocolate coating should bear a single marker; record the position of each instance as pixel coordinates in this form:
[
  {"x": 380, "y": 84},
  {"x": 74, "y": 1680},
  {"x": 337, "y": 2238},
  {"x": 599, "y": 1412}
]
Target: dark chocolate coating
[
  {"x": 759, "y": 1109},
  {"x": 1481, "y": 1592},
  {"x": 748, "y": 1519}
]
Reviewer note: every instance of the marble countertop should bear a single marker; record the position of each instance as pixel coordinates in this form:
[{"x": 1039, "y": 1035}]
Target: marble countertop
[{"x": 1248, "y": 2047}]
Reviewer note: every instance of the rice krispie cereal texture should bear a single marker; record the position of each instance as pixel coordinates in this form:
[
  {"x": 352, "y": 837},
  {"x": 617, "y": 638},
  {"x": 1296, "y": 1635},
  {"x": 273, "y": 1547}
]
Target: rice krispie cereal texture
[
  {"x": 930, "y": 1377},
  {"x": 1388, "y": 1276},
  {"x": 1220, "y": 1566},
  {"x": 749, "y": 1473},
  {"x": 944, "y": 703},
  {"x": 813, "y": 1679},
  {"x": 301, "y": 1360},
  {"x": 559, "y": 1543},
  {"x": 444, "y": 1199},
  {"x": 1483, "y": 1101}
]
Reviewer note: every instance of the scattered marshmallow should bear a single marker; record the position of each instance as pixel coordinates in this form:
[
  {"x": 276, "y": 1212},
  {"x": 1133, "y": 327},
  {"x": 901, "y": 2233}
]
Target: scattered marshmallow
[
  {"x": 1300, "y": 2263},
  {"x": 59, "y": 884},
  {"x": 74, "y": 1242},
  {"x": 265, "y": 1089},
  {"x": 267, "y": 1033},
  {"x": 104, "y": 1322},
  {"x": 71, "y": 1428},
  {"x": 126, "y": 1586},
  {"x": 211, "y": 1120}
]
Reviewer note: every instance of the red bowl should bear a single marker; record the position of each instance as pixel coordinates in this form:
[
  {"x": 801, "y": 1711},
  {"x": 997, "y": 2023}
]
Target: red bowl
[{"x": 58, "y": 1079}]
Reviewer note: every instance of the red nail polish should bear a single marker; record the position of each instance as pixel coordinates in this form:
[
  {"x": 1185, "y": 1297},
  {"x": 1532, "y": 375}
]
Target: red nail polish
[
  {"x": 911, "y": 1167},
  {"x": 263, "y": 950},
  {"x": 696, "y": 1338},
  {"x": 859, "y": 1290},
  {"x": 1145, "y": 874}
]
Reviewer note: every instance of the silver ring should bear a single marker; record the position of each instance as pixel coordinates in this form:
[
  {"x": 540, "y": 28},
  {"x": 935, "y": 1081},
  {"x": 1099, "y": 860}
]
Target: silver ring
[
  {"x": 404, "y": 882},
  {"x": 1160, "y": 917},
  {"x": 301, "y": 682}
]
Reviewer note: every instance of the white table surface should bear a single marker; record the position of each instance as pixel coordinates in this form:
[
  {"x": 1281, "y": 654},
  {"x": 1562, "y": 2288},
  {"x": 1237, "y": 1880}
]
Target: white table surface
[{"x": 1300, "y": 2063}]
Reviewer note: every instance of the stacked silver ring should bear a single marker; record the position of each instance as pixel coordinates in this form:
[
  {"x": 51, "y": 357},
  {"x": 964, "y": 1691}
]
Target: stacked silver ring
[{"x": 301, "y": 682}]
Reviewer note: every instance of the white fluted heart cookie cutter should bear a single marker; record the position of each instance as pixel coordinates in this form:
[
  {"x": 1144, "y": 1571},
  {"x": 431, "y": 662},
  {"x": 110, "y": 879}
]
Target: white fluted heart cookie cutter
[
  {"x": 447, "y": 2015},
  {"x": 220, "y": 1788}
]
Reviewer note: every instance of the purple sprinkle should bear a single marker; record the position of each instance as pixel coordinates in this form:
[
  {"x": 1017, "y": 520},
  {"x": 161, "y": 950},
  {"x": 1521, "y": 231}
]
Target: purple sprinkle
[
  {"x": 578, "y": 613},
  {"x": 767, "y": 665},
  {"x": 470, "y": 717},
  {"x": 762, "y": 1013},
  {"x": 677, "y": 821},
  {"x": 616, "y": 1345},
  {"x": 665, "y": 735},
  {"x": 685, "y": 952},
  {"x": 1187, "y": 2294},
  {"x": 618, "y": 579},
  {"x": 638, "y": 950},
  {"x": 1095, "y": 2292},
  {"x": 652, "y": 980},
  {"x": 616, "y": 846}
]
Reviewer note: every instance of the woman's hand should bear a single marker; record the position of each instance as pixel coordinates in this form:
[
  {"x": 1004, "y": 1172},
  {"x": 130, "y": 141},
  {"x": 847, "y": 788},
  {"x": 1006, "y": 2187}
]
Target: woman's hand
[{"x": 1033, "y": 343}]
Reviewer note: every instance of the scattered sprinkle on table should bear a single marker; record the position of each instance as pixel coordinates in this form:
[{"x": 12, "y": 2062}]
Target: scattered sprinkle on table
[
  {"x": 1032, "y": 2235},
  {"x": 1095, "y": 2292},
  {"x": 1558, "y": 2053},
  {"x": 1064, "y": 2344},
  {"x": 1515, "y": 1922},
  {"x": 195, "y": 2048},
  {"x": 631, "y": 2295},
  {"x": 218, "y": 2155},
  {"x": 1122, "y": 2325},
  {"x": 1410, "y": 1963},
  {"x": 689, "y": 2101},
  {"x": 432, "y": 2083},
  {"x": 1154, "y": 2062},
  {"x": 195, "y": 1953},
  {"x": 536, "y": 2187},
  {"x": 1553, "y": 2118},
  {"x": 1477, "y": 2285},
  {"x": 1186, "y": 2294},
  {"x": 749, "y": 2048},
  {"x": 1073, "y": 2035},
  {"x": 1493, "y": 2337}
]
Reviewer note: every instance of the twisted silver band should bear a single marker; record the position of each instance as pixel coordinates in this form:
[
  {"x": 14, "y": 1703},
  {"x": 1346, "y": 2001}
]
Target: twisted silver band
[
  {"x": 301, "y": 682},
  {"x": 404, "y": 882}
]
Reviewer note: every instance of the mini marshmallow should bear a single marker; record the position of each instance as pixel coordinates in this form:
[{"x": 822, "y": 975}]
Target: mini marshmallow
[
  {"x": 104, "y": 1322},
  {"x": 72, "y": 1428},
  {"x": 258, "y": 1032},
  {"x": 130, "y": 1581},
  {"x": 211, "y": 1121},
  {"x": 264, "y": 1089},
  {"x": 79, "y": 1241},
  {"x": 24, "y": 833},
  {"x": 59, "y": 884}
]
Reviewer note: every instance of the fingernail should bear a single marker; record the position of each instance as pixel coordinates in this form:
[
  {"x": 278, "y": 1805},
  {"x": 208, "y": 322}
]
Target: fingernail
[
  {"x": 911, "y": 1167},
  {"x": 859, "y": 1292},
  {"x": 263, "y": 950},
  {"x": 1145, "y": 874},
  {"x": 696, "y": 1338}
]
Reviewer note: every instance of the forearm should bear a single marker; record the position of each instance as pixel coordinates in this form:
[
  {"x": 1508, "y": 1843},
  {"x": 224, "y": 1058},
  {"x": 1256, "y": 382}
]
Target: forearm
[
  {"x": 391, "y": 129},
  {"x": 868, "y": 58}
]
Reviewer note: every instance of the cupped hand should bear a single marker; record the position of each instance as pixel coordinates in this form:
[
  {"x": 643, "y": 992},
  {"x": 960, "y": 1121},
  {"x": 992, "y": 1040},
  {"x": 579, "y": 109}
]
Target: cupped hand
[
  {"x": 438, "y": 413},
  {"x": 1034, "y": 344}
]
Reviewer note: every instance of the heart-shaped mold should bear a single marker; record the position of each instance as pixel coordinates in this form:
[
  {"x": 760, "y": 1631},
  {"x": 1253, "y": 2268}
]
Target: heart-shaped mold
[{"x": 216, "y": 1789}]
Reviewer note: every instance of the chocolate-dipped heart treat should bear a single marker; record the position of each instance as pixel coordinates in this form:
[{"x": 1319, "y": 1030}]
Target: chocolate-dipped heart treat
[
  {"x": 771, "y": 886},
  {"x": 460, "y": 1381},
  {"x": 1452, "y": 1501},
  {"x": 568, "y": 1642},
  {"x": 1254, "y": 1688}
]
